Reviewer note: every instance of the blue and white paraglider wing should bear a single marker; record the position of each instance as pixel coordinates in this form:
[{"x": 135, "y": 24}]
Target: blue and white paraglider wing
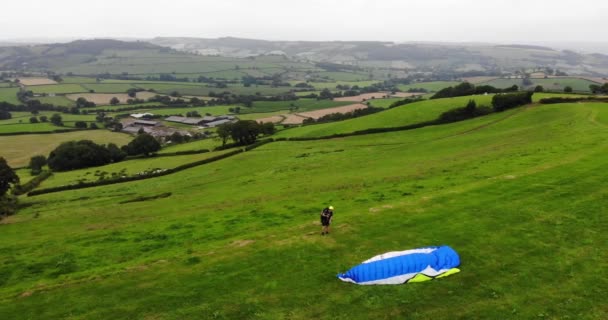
[{"x": 399, "y": 267}]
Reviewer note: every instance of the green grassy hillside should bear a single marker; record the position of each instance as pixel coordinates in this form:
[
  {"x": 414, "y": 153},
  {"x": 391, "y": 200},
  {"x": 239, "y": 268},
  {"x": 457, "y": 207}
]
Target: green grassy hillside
[
  {"x": 518, "y": 194},
  {"x": 400, "y": 116}
]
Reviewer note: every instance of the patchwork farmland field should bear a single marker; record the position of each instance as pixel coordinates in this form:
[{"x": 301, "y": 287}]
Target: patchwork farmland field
[
  {"x": 17, "y": 150},
  {"x": 36, "y": 81},
  {"x": 9, "y": 95},
  {"x": 58, "y": 88},
  {"x": 105, "y": 98}
]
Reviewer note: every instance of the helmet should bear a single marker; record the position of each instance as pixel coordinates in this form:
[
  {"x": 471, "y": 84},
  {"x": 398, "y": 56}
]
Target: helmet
[{"x": 331, "y": 207}]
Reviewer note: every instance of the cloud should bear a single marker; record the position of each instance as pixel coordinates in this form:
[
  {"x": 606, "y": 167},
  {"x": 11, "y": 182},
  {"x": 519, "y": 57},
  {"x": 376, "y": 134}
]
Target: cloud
[{"x": 397, "y": 20}]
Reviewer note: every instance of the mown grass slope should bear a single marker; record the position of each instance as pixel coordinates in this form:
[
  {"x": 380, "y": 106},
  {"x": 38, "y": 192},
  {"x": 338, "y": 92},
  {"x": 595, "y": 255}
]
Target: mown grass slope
[{"x": 518, "y": 194}]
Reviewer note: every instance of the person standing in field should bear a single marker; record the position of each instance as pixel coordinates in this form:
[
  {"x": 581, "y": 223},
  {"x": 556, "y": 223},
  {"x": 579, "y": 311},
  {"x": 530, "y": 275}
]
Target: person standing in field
[{"x": 326, "y": 216}]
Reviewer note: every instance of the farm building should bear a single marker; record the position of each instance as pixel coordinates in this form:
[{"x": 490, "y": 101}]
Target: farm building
[
  {"x": 142, "y": 115},
  {"x": 146, "y": 123},
  {"x": 204, "y": 121},
  {"x": 216, "y": 123}
]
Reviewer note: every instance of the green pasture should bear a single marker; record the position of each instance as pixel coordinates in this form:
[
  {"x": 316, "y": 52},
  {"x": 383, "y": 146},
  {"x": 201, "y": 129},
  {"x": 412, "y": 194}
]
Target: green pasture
[
  {"x": 343, "y": 76},
  {"x": 123, "y": 169},
  {"x": 300, "y": 105},
  {"x": 519, "y": 195},
  {"x": 26, "y": 126},
  {"x": 57, "y": 101},
  {"x": 202, "y": 144},
  {"x": 108, "y": 87},
  {"x": 58, "y": 88},
  {"x": 432, "y": 86},
  {"x": 550, "y": 84},
  {"x": 404, "y": 115},
  {"x": 9, "y": 95},
  {"x": 332, "y": 84},
  {"x": 383, "y": 103},
  {"x": 18, "y": 150}
]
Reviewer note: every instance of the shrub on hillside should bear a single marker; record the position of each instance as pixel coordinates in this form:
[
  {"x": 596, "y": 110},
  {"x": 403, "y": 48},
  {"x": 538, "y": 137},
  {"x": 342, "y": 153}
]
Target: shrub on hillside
[
  {"x": 78, "y": 154},
  {"x": 142, "y": 144},
  {"x": 36, "y": 164},
  {"x": 502, "y": 102},
  {"x": 468, "y": 112},
  {"x": 5, "y": 115}
]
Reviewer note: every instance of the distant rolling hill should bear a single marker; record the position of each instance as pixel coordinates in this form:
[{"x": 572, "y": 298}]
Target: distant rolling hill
[{"x": 419, "y": 56}]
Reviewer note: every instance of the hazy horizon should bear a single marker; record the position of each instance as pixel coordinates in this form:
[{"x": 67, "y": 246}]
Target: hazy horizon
[{"x": 498, "y": 21}]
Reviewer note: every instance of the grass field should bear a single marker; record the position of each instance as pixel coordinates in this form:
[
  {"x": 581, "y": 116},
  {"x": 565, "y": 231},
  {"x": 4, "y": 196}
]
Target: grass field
[
  {"x": 57, "y": 100},
  {"x": 430, "y": 86},
  {"x": 208, "y": 144},
  {"x": 125, "y": 168},
  {"x": 553, "y": 84},
  {"x": 26, "y": 126},
  {"x": 58, "y": 88},
  {"x": 301, "y": 105},
  {"x": 9, "y": 95},
  {"x": 331, "y": 85},
  {"x": 108, "y": 87},
  {"x": 383, "y": 103},
  {"x": 18, "y": 150},
  {"x": 400, "y": 116},
  {"x": 518, "y": 194},
  {"x": 344, "y": 76}
]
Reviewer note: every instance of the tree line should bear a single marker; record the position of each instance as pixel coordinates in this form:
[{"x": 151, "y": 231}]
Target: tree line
[
  {"x": 73, "y": 155},
  {"x": 244, "y": 132},
  {"x": 467, "y": 89}
]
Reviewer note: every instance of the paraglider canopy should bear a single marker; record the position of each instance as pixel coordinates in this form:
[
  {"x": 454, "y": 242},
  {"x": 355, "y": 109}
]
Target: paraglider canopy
[{"x": 399, "y": 267}]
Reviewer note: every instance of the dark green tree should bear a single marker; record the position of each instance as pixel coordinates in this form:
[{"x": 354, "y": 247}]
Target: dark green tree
[
  {"x": 116, "y": 154},
  {"x": 8, "y": 177},
  {"x": 80, "y": 125},
  {"x": 143, "y": 144},
  {"x": 44, "y": 119},
  {"x": 268, "y": 128},
  {"x": 326, "y": 94},
  {"x": 471, "y": 107},
  {"x": 568, "y": 89},
  {"x": 4, "y": 114},
  {"x": 224, "y": 132},
  {"x": 539, "y": 88},
  {"x": 36, "y": 164},
  {"x": 114, "y": 101},
  {"x": 245, "y": 131},
  {"x": 56, "y": 119},
  {"x": 78, "y": 154},
  {"x": 176, "y": 137},
  {"x": 33, "y": 120}
]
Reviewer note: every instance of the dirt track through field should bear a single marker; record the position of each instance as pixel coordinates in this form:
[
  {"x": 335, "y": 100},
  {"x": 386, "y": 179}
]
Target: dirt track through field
[{"x": 104, "y": 98}]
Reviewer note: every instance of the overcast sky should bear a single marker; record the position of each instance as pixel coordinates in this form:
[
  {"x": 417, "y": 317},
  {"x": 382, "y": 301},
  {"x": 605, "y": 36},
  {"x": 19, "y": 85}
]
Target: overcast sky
[{"x": 497, "y": 21}]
